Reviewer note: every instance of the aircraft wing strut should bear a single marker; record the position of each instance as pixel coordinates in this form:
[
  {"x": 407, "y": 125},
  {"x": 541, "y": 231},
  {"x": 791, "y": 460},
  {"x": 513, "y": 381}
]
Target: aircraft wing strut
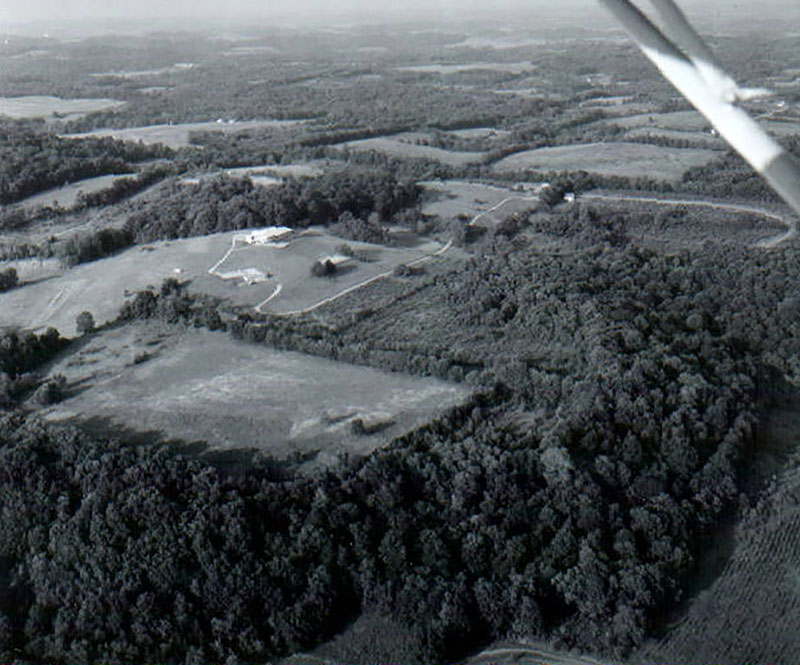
[{"x": 688, "y": 63}]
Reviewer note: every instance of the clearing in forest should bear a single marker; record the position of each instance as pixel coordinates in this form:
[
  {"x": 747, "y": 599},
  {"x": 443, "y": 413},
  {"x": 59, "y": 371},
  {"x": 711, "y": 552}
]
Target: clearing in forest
[
  {"x": 199, "y": 385},
  {"x": 439, "y": 68},
  {"x": 630, "y": 160},
  {"x": 409, "y": 145},
  {"x": 67, "y": 196},
  {"x": 41, "y": 106},
  {"x": 179, "y": 136}
]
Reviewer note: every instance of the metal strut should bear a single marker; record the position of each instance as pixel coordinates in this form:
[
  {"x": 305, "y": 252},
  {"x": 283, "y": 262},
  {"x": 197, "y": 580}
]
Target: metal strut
[{"x": 692, "y": 68}]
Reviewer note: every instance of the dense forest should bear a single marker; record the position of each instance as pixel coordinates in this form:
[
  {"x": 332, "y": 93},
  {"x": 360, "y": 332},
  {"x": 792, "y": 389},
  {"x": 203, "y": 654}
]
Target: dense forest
[
  {"x": 617, "y": 403},
  {"x": 225, "y": 204}
]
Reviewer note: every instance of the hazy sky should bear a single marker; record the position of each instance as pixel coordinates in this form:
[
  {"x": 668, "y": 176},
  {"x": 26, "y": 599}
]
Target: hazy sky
[
  {"x": 584, "y": 11},
  {"x": 15, "y": 11}
]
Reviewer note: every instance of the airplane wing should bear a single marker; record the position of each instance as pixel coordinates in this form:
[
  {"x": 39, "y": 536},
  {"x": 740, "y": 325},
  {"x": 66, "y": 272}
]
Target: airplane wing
[{"x": 692, "y": 68}]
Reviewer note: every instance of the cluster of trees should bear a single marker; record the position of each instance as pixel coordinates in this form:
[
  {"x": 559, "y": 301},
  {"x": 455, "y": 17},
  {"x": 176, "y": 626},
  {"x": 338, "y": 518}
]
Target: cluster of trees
[
  {"x": 33, "y": 160},
  {"x": 8, "y": 279},
  {"x": 20, "y": 356},
  {"x": 224, "y": 204},
  {"x": 92, "y": 245}
]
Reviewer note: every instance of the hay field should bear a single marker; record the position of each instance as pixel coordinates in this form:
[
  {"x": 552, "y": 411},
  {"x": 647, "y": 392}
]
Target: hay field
[
  {"x": 401, "y": 145},
  {"x": 687, "y": 121},
  {"x": 67, "y": 196},
  {"x": 100, "y": 286},
  {"x": 204, "y": 386},
  {"x": 40, "y": 106},
  {"x": 451, "y": 198},
  {"x": 440, "y": 68},
  {"x": 177, "y": 136},
  {"x": 630, "y": 160}
]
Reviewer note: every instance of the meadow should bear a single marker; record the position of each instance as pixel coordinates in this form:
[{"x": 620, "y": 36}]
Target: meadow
[
  {"x": 629, "y": 160},
  {"x": 43, "y": 106},
  {"x": 199, "y": 385}
]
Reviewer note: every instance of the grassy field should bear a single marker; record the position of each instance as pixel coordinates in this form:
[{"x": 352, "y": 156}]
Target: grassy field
[
  {"x": 480, "y": 133},
  {"x": 401, "y": 145},
  {"x": 751, "y": 612},
  {"x": 45, "y": 107},
  {"x": 687, "y": 121},
  {"x": 439, "y": 68},
  {"x": 451, "y": 198},
  {"x": 100, "y": 286},
  {"x": 177, "y": 136},
  {"x": 691, "y": 122},
  {"x": 616, "y": 158},
  {"x": 143, "y": 73},
  {"x": 199, "y": 385},
  {"x": 704, "y": 139},
  {"x": 67, "y": 196}
]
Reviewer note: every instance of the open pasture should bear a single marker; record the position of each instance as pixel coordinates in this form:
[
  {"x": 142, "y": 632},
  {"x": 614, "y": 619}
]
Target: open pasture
[
  {"x": 178, "y": 136},
  {"x": 101, "y": 286},
  {"x": 199, "y": 385},
  {"x": 39, "y": 106},
  {"x": 687, "y": 121},
  {"x": 629, "y": 160},
  {"x": 453, "y": 198},
  {"x": 403, "y": 146},
  {"x": 458, "y": 68},
  {"x": 67, "y": 196},
  {"x": 143, "y": 73}
]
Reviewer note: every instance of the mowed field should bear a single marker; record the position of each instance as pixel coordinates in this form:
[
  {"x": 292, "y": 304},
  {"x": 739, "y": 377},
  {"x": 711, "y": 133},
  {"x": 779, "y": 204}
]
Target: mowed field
[
  {"x": 39, "y": 106},
  {"x": 451, "y": 198},
  {"x": 441, "y": 68},
  {"x": 177, "y": 136},
  {"x": 629, "y": 160},
  {"x": 204, "y": 386},
  {"x": 67, "y": 196},
  {"x": 100, "y": 286},
  {"x": 403, "y": 146}
]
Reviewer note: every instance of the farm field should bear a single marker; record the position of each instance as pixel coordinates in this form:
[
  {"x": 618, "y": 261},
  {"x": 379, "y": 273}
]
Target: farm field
[
  {"x": 400, "y": 145},
  {"x": 704, "y": 139},
  {"x": 123, "y": 74},
  {"x": 178, "y": 136},
  {"x": 614, "y": 158},
  {"x": 439, "y": 68},
  {"x": 100, "y": 286},
  {"x": 479, "y": 133},
  {"x": 453, "y": 198},
  {"x": 67, "y": 196},
  {"x": 37, "y": 106},
  {"x": 199, "y": 385},
  {"x": 691, "y": 121},
  {"x": 687, "y": 121}
]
